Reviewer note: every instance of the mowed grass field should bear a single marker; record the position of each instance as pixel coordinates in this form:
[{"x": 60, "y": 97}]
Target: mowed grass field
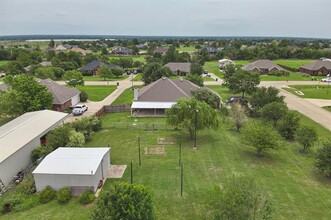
[
  {"x": 292, "y": 63},
  {"x": 140, "y": 58},
  {"x": 296, "y": 189},
  {"x": 189, "y": 49},
  {"x": 320, "y": 91},
  {"x": 97, "y": 93},
  {"x": 99, "y": 78}
]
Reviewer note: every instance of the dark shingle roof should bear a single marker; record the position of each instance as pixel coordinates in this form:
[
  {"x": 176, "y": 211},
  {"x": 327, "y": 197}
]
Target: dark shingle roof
[
  {"x": 166, "y": 90},
  {"x": 184, "y": 67},
  {"x": 96, "y": 64},
  {"x": 317, "y": 65},
  {"x": 262, "y": 64},
  {"x": 160, "y": 50},
  {"x": 61, "y": 94}
]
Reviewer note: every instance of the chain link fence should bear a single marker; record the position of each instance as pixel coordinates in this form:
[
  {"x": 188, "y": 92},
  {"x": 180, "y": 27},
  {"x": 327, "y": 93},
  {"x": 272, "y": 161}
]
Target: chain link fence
[{"x": 149, "y": 126}]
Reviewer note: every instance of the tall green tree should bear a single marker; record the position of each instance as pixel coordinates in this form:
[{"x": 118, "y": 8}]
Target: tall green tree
[
  {"x": 273, "y": 111},
  {"x": 238, "y": 115},
  {"x": 243, "y": 82},
  {"x": 25, "y": 94},
  {"x": 288, "y": 125},
  {"x": 192, "y": 115},
  {"x": 323, "y": 159},
  {"x": 125, "y": 201},
  {"x": 263, "y": 96},
  {"x": 240, "y": 198},
  {"x": 196, "y": 79},
  {"x": 73, "y": 78},
  {"x": 260, "y": 135},
  {"x": 105, "y": 72},
  {"x": 154, "y": 71},
  {"x": 51, "y": 43},
  {"x": 196, "y": 69},
  {"x": 117, "y": 72},
  {"x": 207, "y": 96}
]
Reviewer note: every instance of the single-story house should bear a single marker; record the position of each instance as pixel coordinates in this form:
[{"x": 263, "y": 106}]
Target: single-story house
[
  {"x": 211, "y": 50},
  {"x": 263, "y": 66},
  {"x": 20, "y": 136},
  {"x": 63, "y": 97},
  {"x": 93, "y": 67},
  {"x": 142, "y": 46},
  {"x": 80, "y": 50},
  {"x": 161, "y": 50},
  {"x": 78, "y": 168},
  {"x": 223, "y": 62},
  {"x": 44, "y": 64},
  {"x": 122, "y": 51},
  {"x": 179, "y": 69},
  {"x": 316, "y": 68},
  {"x": 60, "y": 48},
  {"x": 155, "y": 98}
]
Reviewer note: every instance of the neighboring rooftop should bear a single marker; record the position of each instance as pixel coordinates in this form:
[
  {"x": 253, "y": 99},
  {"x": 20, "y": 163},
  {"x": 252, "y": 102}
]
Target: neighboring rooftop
[
  {"x": 61, "y": 94},
  {"x": 17, "y": 133},
  {"x": 262, "y": 64},
  {"x": 160, "y": 50},
  {"x": 73, "y": 161},
  {"x": 184, "y": 67},
  {"x": 314, "y": 66},
  {"x": 96, "y": 64}
]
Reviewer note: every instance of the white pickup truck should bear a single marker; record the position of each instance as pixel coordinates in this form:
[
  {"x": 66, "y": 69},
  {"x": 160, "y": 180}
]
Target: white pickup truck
[{"x": 79, "y": 109}]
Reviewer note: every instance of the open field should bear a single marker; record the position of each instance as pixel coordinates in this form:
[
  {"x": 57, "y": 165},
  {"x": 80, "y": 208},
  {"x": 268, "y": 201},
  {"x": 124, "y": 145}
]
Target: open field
[
  {"x": 223, "y": 92},
  {"x": 322, "y": 91},
  {"x": 97, "y": 93},
  {"x": 189, "y": 49},
  {"x": 98, "y": 78},
  {"x": 212, "y": 67},
  {"x": 139, "y": 58},
  {"x": 295, "y": 188},
  {"x": 126, "y": 97},
  {"x": 4, "y": 62},
  {"x": 292, "y": 63}
]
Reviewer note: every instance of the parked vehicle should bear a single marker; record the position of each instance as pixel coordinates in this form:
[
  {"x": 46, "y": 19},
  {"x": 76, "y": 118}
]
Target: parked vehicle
[
  {"x": 326, "y": 80},
  {"x": 79, "y": 109},
  {"x": 236, "y": 99}
]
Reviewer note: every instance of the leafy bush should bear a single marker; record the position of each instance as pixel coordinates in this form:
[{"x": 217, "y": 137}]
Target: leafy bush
[
  {"x": 27, "y": 186},
  {"x": 83, "y": 96},
  {"x": 323, "y": 158},
  {"x": 47, "y": 195},
  {"x": 58, "y": 137},
  {"x": 63, "y": 195},
  {"x": 87, "y": 197},
  {"x": 18, "y": 203},
  {"x": 95, "y": 123},
  {"x": 40, "y": 151},
  {"x": 76, "y": 139}
]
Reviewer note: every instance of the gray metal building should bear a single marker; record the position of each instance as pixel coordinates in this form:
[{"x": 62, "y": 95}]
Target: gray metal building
[
  {"x": 77, "y": 168},
  {"x": 20, "y": 136}
]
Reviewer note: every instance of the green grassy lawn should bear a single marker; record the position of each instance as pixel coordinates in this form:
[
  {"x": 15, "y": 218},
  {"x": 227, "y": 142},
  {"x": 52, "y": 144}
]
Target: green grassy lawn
[
  {"x": 140, "y": 58},
  {"x": 223, "y": 92},
  {"x": 126, "y": 97},
  {"x": 297, "y": 191},
  {"x": 208, "y": 79},
  {"x": 292, "y": 63},
  {"x": 212, "y": 67},
  {"x": 4, "y": 62},
  {"x": 189, "y": 49},
  {"x": 294, "y": 76},
  {"x": 322, "y": 91},
  {"x": 97, "y": 93},
  {"x": 241, "y": 62},
  {"x": 138, "y": 77},
  {"x": 98, "y": 78}
]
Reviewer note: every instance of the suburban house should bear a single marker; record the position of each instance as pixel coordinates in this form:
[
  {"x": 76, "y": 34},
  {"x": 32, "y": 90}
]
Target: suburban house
[
  {"x": 63, "y": 97},
  {"x": 211, "y": 50},
  {"x": 161, "y": 50},
  {"x": 44, "y": 64},
  {"x": 179, "y": 69},
  {"x": 316, "y": 68},
  {"x": 142, "y": 46},
  {"x": 155, "y": 98},
  {"x": 80, "y": 50},
  {"x": 20, "y": 136},
  {"x": 93, "y": 67},
  {"x": 78, "y": 168},
  {"x": 223, "y": 62},
  {"x": 122, "y": 51},
  {"x": 263, "y": 66},
  {"x": 60, "y": 48}
]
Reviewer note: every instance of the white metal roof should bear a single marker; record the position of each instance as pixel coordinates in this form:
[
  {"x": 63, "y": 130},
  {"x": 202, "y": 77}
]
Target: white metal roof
[
  {"x": 17, "y": 133},
  {"x": 152, "y": 105},
  {"x": 73, "y": 161}
]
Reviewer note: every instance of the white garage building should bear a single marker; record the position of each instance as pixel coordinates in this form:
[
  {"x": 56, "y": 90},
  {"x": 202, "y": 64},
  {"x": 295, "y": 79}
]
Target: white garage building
[
  {"x": 20, "y": 136},
  {"x": 77, "y": 168}
]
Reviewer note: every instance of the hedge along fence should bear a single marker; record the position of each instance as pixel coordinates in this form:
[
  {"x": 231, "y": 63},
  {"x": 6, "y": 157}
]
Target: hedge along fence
[
  {"x": 137, "y": 126},
  {"x": 113, "y": 109}
]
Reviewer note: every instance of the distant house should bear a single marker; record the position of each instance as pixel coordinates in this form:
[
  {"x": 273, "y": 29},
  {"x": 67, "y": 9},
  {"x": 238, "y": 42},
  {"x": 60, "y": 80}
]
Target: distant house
[
  {"x": 179, "y": 69},
  {"x": 161, "y": 50},
  {"x": 44, "y": 64},
  {"x": 79, "y": 168},
  {"x": 223, "y": 62},
  {"x": 316, "y": 68},
  {"x": 263, "y": 66},
  {"x": 155, "y": 98},
  {"x": 60, "y": 48},
  {"x": 69, "y": 46},
  {"x": 20, "y": 136},
  {"x": 94, "y": 67},
  {"x": 211, "y": 50},
  {"x": 122, "y": 51},
  {"x": 142, "y": 46},
  {"x": 63, "y": 97},
  {"x": 80, "y": 50}
]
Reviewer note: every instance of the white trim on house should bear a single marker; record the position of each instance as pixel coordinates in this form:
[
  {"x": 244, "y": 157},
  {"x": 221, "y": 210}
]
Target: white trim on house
[{"x": 152, "y": 105}]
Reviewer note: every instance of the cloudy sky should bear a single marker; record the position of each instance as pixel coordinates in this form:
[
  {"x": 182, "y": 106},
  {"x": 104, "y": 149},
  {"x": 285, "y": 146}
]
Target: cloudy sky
[{"x": 288, "y": 18}]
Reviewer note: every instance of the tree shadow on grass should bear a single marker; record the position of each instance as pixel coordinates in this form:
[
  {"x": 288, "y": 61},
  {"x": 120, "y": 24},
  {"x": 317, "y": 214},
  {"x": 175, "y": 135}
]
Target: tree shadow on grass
[
  {"x": 320, "y": 177},
  {"x": 267, "y": 159}
]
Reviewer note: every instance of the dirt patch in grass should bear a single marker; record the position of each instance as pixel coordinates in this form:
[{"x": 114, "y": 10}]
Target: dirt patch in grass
[
  {"x": 155, "y": 150},
  {"x": 166, "y": 140}
]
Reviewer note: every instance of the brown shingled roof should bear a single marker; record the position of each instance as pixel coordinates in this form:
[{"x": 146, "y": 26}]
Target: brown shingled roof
[
  {"x": 184, "y": 67},
  {"x": 262, "y": 64},
  {"x": 317, "y": 65}
]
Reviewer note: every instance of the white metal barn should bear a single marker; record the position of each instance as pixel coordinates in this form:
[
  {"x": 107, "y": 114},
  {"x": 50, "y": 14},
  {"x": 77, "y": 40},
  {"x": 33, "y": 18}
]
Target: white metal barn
[
  {"x": 77, "y": 168},
  {"x": 20, "y": 136}
]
